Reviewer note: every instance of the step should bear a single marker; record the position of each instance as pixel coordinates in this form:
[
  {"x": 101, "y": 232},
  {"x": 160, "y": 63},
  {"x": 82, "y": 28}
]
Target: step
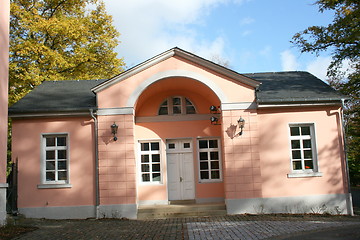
[{"x": 181, "y": 210}]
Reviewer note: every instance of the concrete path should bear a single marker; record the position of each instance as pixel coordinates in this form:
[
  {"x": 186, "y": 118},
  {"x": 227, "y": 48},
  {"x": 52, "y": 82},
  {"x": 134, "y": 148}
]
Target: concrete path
[{"x": 225, "y": 227}]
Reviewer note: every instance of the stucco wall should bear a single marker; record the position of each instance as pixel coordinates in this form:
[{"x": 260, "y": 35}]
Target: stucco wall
[
  {"x": 119, "y": 94},
  {"x": 26, "y": 148},
  {"x": 275, "y": 152},
  {"x": 117, "y": 161}
]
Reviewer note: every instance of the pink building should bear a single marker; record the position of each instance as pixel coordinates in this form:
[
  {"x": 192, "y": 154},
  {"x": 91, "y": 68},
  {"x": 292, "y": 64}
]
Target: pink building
[
  {"x": 179, "y": 127},
  {"x": 4, "y": 72}
]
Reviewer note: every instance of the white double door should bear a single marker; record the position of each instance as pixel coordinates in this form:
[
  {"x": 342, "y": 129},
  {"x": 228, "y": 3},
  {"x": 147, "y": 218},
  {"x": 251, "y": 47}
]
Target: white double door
[{"x": 180, "y": 169}]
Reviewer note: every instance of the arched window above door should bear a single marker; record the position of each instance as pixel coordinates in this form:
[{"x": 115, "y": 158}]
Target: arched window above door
[{"x": 176, "y": 105}]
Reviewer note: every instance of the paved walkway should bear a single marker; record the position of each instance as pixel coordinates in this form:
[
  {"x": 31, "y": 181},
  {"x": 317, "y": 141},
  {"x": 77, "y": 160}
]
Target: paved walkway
[{"x": 226, "y": 227}]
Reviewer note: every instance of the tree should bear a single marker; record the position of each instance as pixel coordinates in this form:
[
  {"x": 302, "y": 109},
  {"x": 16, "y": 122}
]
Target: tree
[
  {"x": 342, "y": 38},
  {"x": 60, "y": 40}
]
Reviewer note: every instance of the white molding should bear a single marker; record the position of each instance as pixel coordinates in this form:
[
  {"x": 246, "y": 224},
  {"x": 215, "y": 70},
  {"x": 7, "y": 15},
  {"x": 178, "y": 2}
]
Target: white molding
[
  {"x": 175, "y": 73},
  {"x": 49, "y": 186},
  {"x": 174, "y": 118},
  {"x": 115, "y": 111},
  {"x": 153, "y": 202},
  {"x": 56, "y": 114},
  {"x": 4, "y": 185},
  {"x": 260, "y": 105},
  {"x": 239, "y": 106},
  {"x": 305, "y": 174}
]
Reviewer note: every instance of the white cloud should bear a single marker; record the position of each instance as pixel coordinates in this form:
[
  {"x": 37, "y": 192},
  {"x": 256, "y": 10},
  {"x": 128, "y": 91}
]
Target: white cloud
[
  {"x": 247, "y": 21},
  {"x": 288, "y": 61},
  {"x": 149, "y": 27},
  {"x": 319, "y": 66}
]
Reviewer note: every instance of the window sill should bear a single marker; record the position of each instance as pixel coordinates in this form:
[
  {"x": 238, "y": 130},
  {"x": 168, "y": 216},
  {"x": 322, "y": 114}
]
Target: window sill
[
  {"x": 305, "y": 174},
  {"x": 54, "y": 185},
  {"x": 210, "y": 181}
]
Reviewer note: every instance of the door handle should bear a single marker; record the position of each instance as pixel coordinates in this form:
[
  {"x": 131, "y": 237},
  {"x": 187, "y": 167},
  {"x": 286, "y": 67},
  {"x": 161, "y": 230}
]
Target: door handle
[{"x": 181, "y": 179}]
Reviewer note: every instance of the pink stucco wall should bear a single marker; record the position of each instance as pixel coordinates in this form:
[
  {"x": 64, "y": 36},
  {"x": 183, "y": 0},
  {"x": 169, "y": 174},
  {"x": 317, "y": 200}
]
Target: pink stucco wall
[
  {"x": 117, "y": 161},
  {"x": 4, "y": 71},
  {"x": 26, "y": 150},
  {"x": 243, "y": 173},
  {"x": 119, "y": 94},
  {"x": 275, "y": 152}
]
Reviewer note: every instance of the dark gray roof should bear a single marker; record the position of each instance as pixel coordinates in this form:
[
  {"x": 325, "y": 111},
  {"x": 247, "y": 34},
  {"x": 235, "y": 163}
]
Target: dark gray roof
[
  {"x": 76, "y": 96},
  {"x": 293, "y": 87},
  {"x": 58, "y": 96}
]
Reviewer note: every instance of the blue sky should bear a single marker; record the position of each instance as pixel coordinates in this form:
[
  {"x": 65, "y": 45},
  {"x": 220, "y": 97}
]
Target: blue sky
[{"x": 251, "y": 35}]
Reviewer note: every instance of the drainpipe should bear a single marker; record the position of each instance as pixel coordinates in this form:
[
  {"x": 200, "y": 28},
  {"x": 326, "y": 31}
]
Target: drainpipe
[
  {"x": 349, "y": 198},
  {"x": 97, "y": 196}
]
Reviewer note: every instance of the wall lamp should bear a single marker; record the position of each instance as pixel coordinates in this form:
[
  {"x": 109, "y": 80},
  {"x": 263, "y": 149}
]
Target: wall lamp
[
  {"x": 214, "y": 109},
  {"x": 114, "y": 129},
  {"x": 214, "y": 121},
  {"x": 241, "y": 124}
]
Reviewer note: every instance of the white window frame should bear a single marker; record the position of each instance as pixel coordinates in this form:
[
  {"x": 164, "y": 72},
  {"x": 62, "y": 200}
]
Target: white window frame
[
  {"x": 56, "y": 183},
  {"x": 219, "y": 150},
  {"x": 140, "y": 153},
  {"x": 182, "y": 103},
  {"x": 314, "y": 172}
]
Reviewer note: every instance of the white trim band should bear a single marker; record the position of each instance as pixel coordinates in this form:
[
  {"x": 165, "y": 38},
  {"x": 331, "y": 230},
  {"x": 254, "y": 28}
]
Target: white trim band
[
  {"x": 115, "y": 111},
  {"x": 239, "y": 106}
]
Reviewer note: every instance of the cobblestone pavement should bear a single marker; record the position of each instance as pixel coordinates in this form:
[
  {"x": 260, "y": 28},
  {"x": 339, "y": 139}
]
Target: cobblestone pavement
[{"x": 225, "y": 227}]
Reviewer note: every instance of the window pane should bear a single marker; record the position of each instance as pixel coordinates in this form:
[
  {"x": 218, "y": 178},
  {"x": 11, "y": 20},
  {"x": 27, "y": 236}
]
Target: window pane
[
  {"x": 309, "y": 164},
  {"x": 186, "y": 145},
  {"x": 204, "y": 166},
  {"x": 155, "y": 146},
  {"x": 145, "y": 147},
  {"x": 203, "y": 156},
  {"x": 155, "y": 158},
  {"x": 177, "y": 109},
  {"x": 204, "y": 174},
  {"x": 61, "y": 154},
  {"x": 50, "y": 176},
  {"x": 163, "y": 111},
  {"x": 295, "y": 131},
  {"x": 146, "y": 177},
  {"x": 213, "y": 144},
  {"x": 50, "y": 155},
  {"x": 50, "y": 165},
  {"x": 50, "y": 141},
  {"x": 308, "y": 154},
  {"x": 171, "y": 145},
  {"x": 145, "y": 168},
  {"x": 295, "y": 144},
  {"x": 190, "y": 110},
  {"x": 203, "y": 144},
  {"x": 62, "y": 175},
  {"x": 164, "y": 103},
  {"x": 296, "y": 154},
  {"x": 297, "y": 165},
  {"x": 61, "y": 141},
  {"x": 306, "y": 143},
  {"x": 215, "y": 174},
  {"x": 215, "y": 165},
  {"x": 176, "y": 101},
  {"x": 145, "y": 158},
  {"x": 156, "y": 167},
  {"x": 305, "y": 130},
  {"x": 62, "y": 165},
  {"x": 214, "y": 156},
  {"x": 156, "y": 177},
  {"x": 188, "y": 102}
]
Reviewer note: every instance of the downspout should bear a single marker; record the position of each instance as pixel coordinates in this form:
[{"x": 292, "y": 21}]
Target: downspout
[
  {"x": 349, "y": 198},
  {"x": 97, "y": 195}
]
